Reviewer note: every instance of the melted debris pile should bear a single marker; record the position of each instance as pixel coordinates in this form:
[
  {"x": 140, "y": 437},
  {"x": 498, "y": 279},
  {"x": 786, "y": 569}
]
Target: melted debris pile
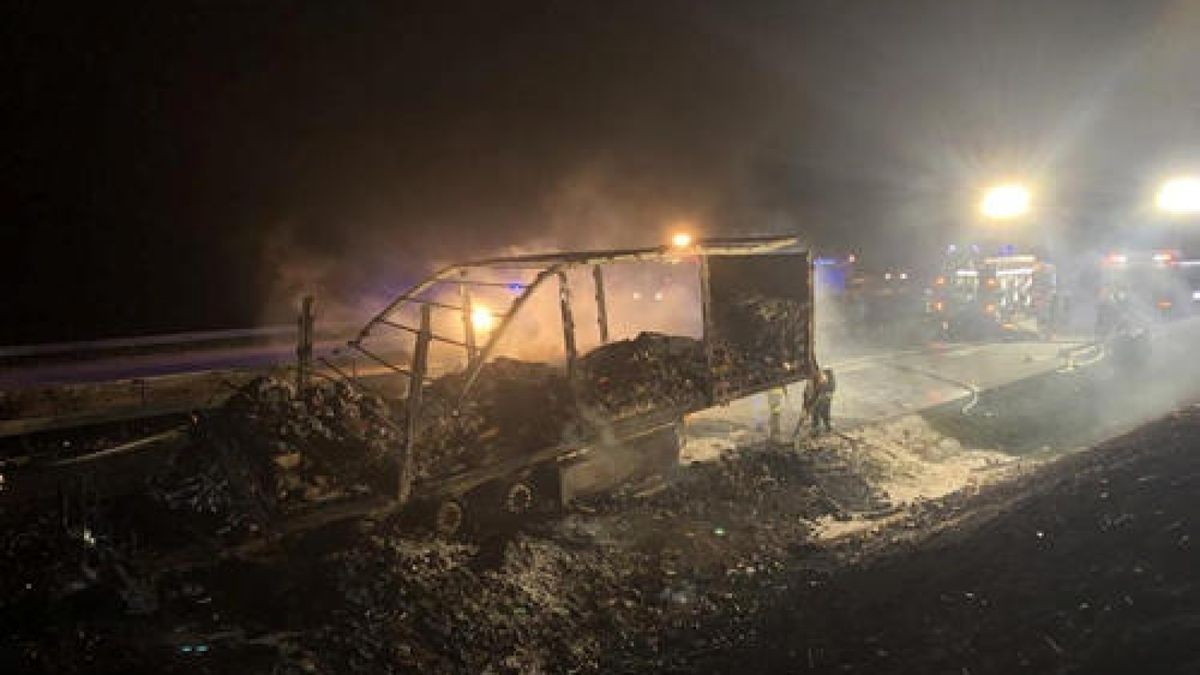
[
  {"x": 652, "y": 371},
  {"x": 435, "y": 607},
  {"x": 268, "y": 451},
  {"x": 766, "y": 479},
  {"x": 622, "y": 584},
  {"x": 636, "y": 584}
]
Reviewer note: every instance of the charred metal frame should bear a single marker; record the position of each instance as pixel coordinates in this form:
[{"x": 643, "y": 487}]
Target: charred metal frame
[
  {"x": 568, "y": 323},
  {"x": 468, "y": 321},
  {"x": 601, "y": 303},
  {"x": 812, "y": 330},
  {"x": 707, "y": 320},
  {"x": 546, "y": 266},
  {"x": 420, "y": 360}
]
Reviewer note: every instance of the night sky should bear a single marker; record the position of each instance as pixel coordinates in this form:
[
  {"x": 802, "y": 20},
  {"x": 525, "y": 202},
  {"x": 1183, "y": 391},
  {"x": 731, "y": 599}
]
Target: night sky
[{"x": 183, "y": 166}]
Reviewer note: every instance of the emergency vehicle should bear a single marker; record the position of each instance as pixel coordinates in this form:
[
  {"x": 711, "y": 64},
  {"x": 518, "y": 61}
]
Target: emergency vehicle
[
  {"x": 976, "y": 295},
  {"x": 1154, "y": 284}
]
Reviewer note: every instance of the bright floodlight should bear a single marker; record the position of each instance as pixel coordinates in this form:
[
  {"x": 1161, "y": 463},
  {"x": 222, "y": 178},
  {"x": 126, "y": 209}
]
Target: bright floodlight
[
  {"x": 482, "y": 319},
  {"x": 1006, "y": 201},
  {"x": 1180, "y": 195},
  {"x": 681, "y": 240}
]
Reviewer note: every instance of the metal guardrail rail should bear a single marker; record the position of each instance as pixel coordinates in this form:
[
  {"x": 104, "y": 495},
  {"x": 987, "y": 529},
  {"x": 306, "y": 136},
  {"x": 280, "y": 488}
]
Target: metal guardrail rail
[{"x": 167, "y": 340}]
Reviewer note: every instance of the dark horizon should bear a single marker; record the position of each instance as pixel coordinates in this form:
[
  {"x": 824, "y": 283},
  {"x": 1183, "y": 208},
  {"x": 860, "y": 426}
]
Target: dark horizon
[{"x": 198, "y": 166}]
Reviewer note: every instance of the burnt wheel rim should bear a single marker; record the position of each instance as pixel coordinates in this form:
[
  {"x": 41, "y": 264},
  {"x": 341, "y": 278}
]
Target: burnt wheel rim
[{"x": 519, "y": 498}]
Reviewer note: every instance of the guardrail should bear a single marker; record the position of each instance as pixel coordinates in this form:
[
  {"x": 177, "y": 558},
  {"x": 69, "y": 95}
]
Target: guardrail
[{"x": 88, "y": 348}]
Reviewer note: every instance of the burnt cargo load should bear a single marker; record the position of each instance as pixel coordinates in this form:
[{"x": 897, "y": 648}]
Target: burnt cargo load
[
  {"x": 516, "y": 406},
  {"x": 648, "y": 373},
  {"x": 760, "y": 330}
]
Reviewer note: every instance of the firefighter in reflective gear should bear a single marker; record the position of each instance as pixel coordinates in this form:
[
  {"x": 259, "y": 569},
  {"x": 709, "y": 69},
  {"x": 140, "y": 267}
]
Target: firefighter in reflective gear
[{"x": 818, "y": 400}]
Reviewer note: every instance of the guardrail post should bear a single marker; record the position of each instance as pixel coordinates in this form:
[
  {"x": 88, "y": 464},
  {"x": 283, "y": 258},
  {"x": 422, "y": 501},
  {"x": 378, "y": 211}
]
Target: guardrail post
[{"x": 304, "y": 344}]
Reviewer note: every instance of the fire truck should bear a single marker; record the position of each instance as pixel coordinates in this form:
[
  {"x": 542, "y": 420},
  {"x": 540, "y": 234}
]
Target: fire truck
[
  {"x": 1148, "y": 285},
  {"x": 979, "y": 296}
]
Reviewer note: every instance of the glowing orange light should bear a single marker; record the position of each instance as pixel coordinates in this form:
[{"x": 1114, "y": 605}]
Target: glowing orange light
[
  {"x": 940, "y": 281},
  {"x": 681, "y": 240},
  {"x": 482, "y": 319}
]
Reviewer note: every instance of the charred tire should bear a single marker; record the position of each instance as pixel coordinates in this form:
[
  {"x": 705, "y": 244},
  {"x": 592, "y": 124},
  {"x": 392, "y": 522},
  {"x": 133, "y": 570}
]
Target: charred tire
[{"x": 449, "y": 517}]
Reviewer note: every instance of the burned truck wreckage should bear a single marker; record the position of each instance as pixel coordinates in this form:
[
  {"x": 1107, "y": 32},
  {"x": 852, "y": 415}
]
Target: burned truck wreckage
[
  {"x": 550, "y": 520},
  {"x": 493, "y": 436}
]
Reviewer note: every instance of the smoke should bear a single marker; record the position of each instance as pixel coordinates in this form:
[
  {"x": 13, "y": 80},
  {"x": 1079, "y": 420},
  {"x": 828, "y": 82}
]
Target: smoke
[
  {"x": 391, "y": 138},
  {"x": 591, "y": 208},
  {"x": 610, "y": 129},
  {"x": 292, "y": 272}
]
